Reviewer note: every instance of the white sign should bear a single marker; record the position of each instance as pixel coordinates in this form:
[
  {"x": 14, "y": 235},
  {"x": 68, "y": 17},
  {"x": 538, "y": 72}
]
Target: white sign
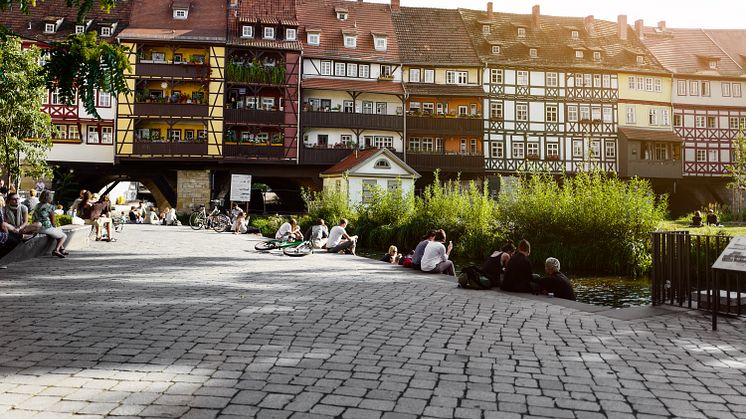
[
  {"x": 733, "y": 257},
  {"x": 241, "y": 188}
]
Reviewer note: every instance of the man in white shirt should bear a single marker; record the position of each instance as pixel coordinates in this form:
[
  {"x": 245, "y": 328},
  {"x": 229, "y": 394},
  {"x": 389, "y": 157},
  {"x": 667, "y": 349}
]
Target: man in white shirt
[
  {"x": 289, "y": 231},
  {"x": 435, "y": 259},
  {"x": 340, "y": 241}
]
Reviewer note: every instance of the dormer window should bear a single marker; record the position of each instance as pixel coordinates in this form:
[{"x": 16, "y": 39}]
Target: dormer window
[
  {"x": 350, "y": 41},
  {"x": 313, "y": 38},
  {"x": 575, "y": 35},
  {"x": 579, "y": 54},
  {"x": 713, "y": 64},
  {"x": 533, "y": 53},
  {"x": 181, "y": 14},
  {"x": 269, "y": 32},
  {"x": 486, "y": 29},
  {"x": 342, "y": 14},
  {"x": 291, "y": 34},
  {"x": 50, "y": 28},
  {"x": 496, "y": 49},
  {"x": 247, "y": 31},
  {"x": 640, "y": 59},
  {"x": 521, "y": 32},
  {"x": 79, "y": 29},
  {"x": 380, "y": 42},
  {"x": 106, "y": 31},
  {"x": 597, "y": 55}
]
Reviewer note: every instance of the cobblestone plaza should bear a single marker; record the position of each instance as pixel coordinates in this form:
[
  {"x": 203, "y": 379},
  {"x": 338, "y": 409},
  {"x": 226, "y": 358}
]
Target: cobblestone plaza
[{"x": 169, "y": 322}]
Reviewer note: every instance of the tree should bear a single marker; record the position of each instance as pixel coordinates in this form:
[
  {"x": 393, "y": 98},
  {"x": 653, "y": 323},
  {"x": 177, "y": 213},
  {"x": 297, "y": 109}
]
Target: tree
[
  {"x": 737, "y": 171},
  {"x": 22, "y": 89},
  {"x": 84, "y": 6}
]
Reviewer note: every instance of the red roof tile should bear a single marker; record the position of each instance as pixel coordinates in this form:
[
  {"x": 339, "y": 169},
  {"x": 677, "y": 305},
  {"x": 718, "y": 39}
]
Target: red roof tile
[
  {"x": 350, "y": 161},
  {"x": 364, "y": 17},
  {"x": 385, "y": 87},
  {"x": 281, "y": 14},
  {"x": 732, "y": 42},
  {"x": 681, "y": 51},
  {"x": 153, "y": 19}
]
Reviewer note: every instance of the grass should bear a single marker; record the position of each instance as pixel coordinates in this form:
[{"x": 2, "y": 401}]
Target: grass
[{"x": 729, "y": 228}]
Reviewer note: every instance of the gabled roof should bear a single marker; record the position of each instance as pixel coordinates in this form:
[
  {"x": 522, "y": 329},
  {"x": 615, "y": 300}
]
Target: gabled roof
[
  {"x": 555, "y": 45},
  {"x": 681, "y": 51},
  {"x": 732, "y": 42},
  {"x": 358, "y": 158},
  {"x": 153, "y": 20},
  {"x": 279, "y": 13},
  {"x": 364, "y": 17},
  {"x": 433, "y": 37},
  {"x": 44, "y": 11}
]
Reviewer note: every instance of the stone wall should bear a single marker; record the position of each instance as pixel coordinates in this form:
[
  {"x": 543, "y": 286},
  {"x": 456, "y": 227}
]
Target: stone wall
[{"x": 193, "y": 189}]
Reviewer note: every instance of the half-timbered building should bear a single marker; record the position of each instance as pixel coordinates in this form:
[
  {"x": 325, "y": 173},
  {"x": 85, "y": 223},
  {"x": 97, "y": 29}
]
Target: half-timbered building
[
  {"x": 352, "y": 92},
  {"x": 552, "y": 89},
  {"x": 444, "y": 98}
]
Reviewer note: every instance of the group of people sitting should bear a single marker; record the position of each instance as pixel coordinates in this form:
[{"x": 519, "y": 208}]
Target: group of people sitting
[
  {"x": 335, "y": 240},
  {"x": 431, "y": 255},
  {"x": 150, "y": 215},
  {"x": 16, "y": 223},
  {"x": 711, "y": 220}
]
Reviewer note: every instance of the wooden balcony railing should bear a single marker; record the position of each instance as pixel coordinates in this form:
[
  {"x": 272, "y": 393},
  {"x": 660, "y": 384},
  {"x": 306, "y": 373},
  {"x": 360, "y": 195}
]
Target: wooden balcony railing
[
  {"x": 170, "y": 109},
  {"x": 445, "y": 126},
  {"x": 446, "y": 162},
  {"x": 661, "y": 169},
  {"x": 329, "y": 156},
  {"x": 169, "y": 148},
  {"x": 352, "y": 120},
  {"x": 185, "y": 70},
  {"x": 253, "y": 151},
  {"x": 254, "y": 117}
]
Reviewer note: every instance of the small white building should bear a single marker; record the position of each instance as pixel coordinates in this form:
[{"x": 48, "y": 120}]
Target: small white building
[{"x": 363, "y": 169}]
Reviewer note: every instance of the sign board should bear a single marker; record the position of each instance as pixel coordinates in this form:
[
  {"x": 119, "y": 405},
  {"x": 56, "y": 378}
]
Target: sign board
[
  {"x": 241, "y": 188},
  {"x": 733, "y": 257}
]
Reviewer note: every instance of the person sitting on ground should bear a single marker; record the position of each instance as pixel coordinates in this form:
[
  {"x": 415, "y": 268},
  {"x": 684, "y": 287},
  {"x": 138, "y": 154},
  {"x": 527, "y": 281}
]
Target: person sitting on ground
[
  {"x": 518, "y": 275},
  {"x": 9, "y": 239},
  {"x": 101, "y": 216},
  {"x": 16, "y": 215},
  {"x": 555, "y": 283},
  {"x": 697, "y": 219},
  {"x": 435, "y": 259},
  {"x": 241, "y": 224},
  {"x": 44, "y": 214},
  {"x": 171, "y": 218},
  {"x": 420, "y": 249},
  {"x": 289, "y": 231},
  {"x": 495, "y": 264},
  {"x": 712, "y": 218},
  {"x": 319, "y": 234},
  {"x": 152, "y": 216},
  {"x": 32, "y": 201},
  {"x": 392, "y": 256},
  {"x": 134, "y": 216},
  {"x": 75, "y": 207},
  {"x": 340, "y": 241}
]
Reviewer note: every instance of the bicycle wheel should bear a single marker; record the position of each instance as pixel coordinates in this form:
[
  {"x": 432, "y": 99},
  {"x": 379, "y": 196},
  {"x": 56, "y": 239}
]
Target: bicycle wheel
[
  {"x": 221, "y": 223},
  {"x": 300, "y": 250},
  {"x": 268, "y": 245},
  {"x": 196, "y": 220}
]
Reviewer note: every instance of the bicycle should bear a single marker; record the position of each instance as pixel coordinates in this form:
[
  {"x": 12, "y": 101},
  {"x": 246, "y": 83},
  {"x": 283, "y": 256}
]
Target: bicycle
[
  {"x": 294, "y": 248},
  {"x": 215, "y": 219}
]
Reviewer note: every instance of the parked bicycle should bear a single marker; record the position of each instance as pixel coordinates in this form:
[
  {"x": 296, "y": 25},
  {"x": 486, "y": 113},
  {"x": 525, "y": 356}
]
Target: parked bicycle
[
  {"x": 215, "y": 220},
  {"x": 294, "y": 248}
]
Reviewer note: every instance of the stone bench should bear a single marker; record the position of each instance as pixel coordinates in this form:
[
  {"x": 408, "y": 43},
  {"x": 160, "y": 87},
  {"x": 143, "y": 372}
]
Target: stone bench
[{"x": 42, "y": 245}]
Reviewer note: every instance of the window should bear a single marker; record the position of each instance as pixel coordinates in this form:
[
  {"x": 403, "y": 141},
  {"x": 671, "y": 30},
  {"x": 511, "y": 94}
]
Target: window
[
  {"x": 392, "y": 185},
  {"x": 705, "y": 88},
  {"x": 269, "y": 32},
  {"x": 367, "y": 107},
  {"x": 350, "y": 41},
  {"x": 552, "y": 149},
  {"x": 413, "y": 144},
  {"x": 462, "y": 146},
  {"x": 610, "y": 150},
  {"x": 457, "y": 77},
  {"x": 521, "y": 112},
  {"x": 585, "y": 113},
  {"x": 552, "y": 79},
  {"x": 496, "y": 76},
  {"x": 106, "y": 31},
  {"x": 60, "y": 132},
  {"x": 648, "y": 84},
  {"x": 596, "y": 80},
  {"x": 92, "y": 137},
  {"x": 578, "y": 80},
  {"x": 596, "y": 113},
  {"x": 50, "y": 28},
  {"x": 572, "y": 113},
  {"x": 733, "y": 123},
  {"x": 713, "y": 64},
  {"x": 486, "y": 30},
  {"x": 79, "y": 29},
  {"x": 496, "y": 49},
  {"x": 363, "y": 71},
  {"x": 496, "y": 110},
  {"x": 326, "y": 68},
  {"x": 699, "y": 121},
  {"x": 701, "y": 155},
  {"x": 340, "y": 69},
  {"x": 383, "y": 142},
  {"x": 313, "y": 38},
  {"x": 291, "y": 34},
  {"x": 429, "y": 76},
  {"x": 518, "y": 151},
  {"x": 577, "y": 148},
  {"x": 247, "y": 31},
  {"x": 533, "y": 53},
  {"x": 712, "y": 122},
  {"x": 107, "y": 135},
  {"x": 351, "y": 70},
  {"x": 532, "y": 149},
  {"x": 631, "y": 113},
  {"x": 55, "y": 97},
  {"x": 574, "y": 35},
  {"x": 386, "y": 71},
  {"x": 181, "y": 14},
  {"x": 607, "y": 115},
  {"x": 497, "y": 150},
  {"x": 578, "y": 54},
  {"x": 725, "y": 88},
  {"x": 414, "y": 106},
  {"x": 660, "y": 151},
  {"x": 551, "y": 114},
  {"x": 473, "y": 146},
  {"x": 345, "y": 139},
  {"x": 268, "y": 103},
  {"x": 414, "y": 75},
  {"x": 72, "y": 132},
  {"x": 522, "y": 78},
  {"x": 442, "y": 108},
  {"x": 597, "y": 55},
  {"x": 640, "y": 59},
  {"x": 368, "y": 186},
  {"x": 595, "y": 149},
  {"x": 341, "y": 15},
  {"x": 694, "y": 88},
  {"x": 521, "y": 32},
  {"x": 677, "y": 120},
  {"x": 658, "y": 86},
  {"x": 428, "y": 108},
  {"x": 736, "y": 89},
  {"x": 712, "y": 155},
  {"x": 665, "y": 117},
  {"x": 322, "y": 140},
  {"x": 462, "y": 110},
  {"x": 681, "y": 87},
  {"x": 587, "y": 80},
  {"x": 104, "y": 99},
  {"x": 382, "y": 164},
  {"x": 380, "y": 43},
  {"x": 653, "y": 117},
  {"x": 188, "y": 134},
  {"x": 381, "y": 108}
]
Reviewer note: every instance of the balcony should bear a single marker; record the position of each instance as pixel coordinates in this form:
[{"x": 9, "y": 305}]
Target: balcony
[
  {"x": 169, "y": 149},
  {"x": 352, "y": 121},
  {"x": 163, "y": 69},
  {"x": 660, "y": 169},
  {"x": 446, "y": 162},
  {"x": 171, "y": 109},
  {"x": 323, "y": 155},
  {"x": 251, "y": 151},
  {"x": 445, "y": 125},
  {"x": 254, "y": 117}
]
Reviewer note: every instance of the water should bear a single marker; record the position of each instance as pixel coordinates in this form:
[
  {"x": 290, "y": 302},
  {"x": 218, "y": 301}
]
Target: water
[{"x": 610, "y": 291}]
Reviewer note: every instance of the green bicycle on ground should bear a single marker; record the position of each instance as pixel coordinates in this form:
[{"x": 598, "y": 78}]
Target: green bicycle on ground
[{"x": 294, "y": 248}]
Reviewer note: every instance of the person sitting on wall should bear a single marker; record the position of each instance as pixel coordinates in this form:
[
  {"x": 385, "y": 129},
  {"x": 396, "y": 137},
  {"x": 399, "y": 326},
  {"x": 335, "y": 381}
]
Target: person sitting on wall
[
  {"x": 16, "y": 215},
  {"x": 392, "y": 256},
  {"x": 712, "y": 219},
  {"x": 696, "y": 220},
  {"x": 518, "y": 274},
  {"x": 32, "y": 201},
  {"x": 555, "y": 284}
]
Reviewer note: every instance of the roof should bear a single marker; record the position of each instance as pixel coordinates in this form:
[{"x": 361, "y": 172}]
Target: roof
[
  {"x": 686, "y": 51},
  {"x": 358, "y": 158},
  {"x": 43, "y": 11},
  {"x": 423, "y": 42},
  {"x": 430, "y": 89},
  {"x": 153, "y": 20},
  {"x": 552, "y": 37},
  {"x": 640, "y": 134},
  {"x": 732, "y": 42},
  {"x": 278, "y": 13},
  {"x": 384, "y": 87},
  {"x": 364, "y": 17}
]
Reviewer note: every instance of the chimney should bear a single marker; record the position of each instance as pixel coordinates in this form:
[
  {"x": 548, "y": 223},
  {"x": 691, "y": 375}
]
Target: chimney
[
  {"x": 588, "y": 23},
  {"x": 490, "y": 13},
  {"x": 535, "y": 13},
  {"x": 662, "y": 25},
  {"x": 622, "y": 27},
  {"x": 233, "y": 4},
  {"x": 395, "y": 5},
  {"x": 639, "y": 24}
]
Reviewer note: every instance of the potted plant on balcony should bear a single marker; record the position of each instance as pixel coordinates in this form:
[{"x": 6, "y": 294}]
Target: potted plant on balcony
[
  {"x": 532, "y": 157},
  {"x": 553, "y": 157},
  {"x": 337, "y": 108}
]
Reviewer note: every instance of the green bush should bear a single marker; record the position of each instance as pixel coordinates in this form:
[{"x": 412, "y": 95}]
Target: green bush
[{"x": 63, "y": 220}]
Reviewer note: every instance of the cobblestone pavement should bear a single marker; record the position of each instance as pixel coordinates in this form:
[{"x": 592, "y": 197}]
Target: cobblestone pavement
[{"x": 169, "y": 322}]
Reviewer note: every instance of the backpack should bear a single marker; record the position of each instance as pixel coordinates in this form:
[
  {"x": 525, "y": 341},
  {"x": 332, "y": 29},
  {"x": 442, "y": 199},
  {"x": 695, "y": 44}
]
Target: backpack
[{"x": 471, "y": 279}]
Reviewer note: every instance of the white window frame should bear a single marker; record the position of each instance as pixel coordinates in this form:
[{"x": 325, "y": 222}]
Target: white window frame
[
  {"x": 597, "y": 55},
  {"x": 578, "y": 54},
  {"x": 700, "y": 155},
  {"x": 725, "y": 89},
  {"x": 325, "y": 68},
  {"x": 380, "y": 43},
  {"x": 572, "y": 113},
  {"x": 552, "y": 149},
  {"x": 532, "y": 149},
  {"x": 552, "y": 79},
  {"x": 340, "y": 69},
  {"x": 496, "y": 49},
  {"x": 552, "y": 113},
  {"x": 291, "y": 34},
  {"x": 681, "y": 87},
  {"x": 653, "y": 117},
  {"x": 268, "y": 32},
  {"x": 181, "y": 14},
  {"x": 693, "y": 88},
  {"x": 705, "y": 90},
  {"x": 496, "y": 110},
  {"x": 533, "y": 53},
  {"x": 575, "y": 35},
  {"x": 313, "y": 38},
  {"x": 107, "y": 135},
  {"x": 414, "y": 75},
  {"x": 577, "y": 148},
  {"x": 429, "y": 75},
  {"x": 631, "y": 113},
  {"x": 640, "y": 59},
  {"x": 497, "y": 150},
  {"x": 79, "y": 29},
  {"x": 457, "y": 77},
  {"x": 522, "y": 78},
  {"x": 521, "y": 112},
  {"x": 50, "y": 28},
  {"x": 700, "y": 121},
  {"x": 352, "y": 70},
  {"x": 497, "y": 76},
  {"x": 521, "y": 32},
  {"x": 610, "y": 149},
  {"x": 247, "y": 31},
  {"x": 104, "y": 99},
  {"x": 363, "y": 71},
  {"x": 648, "y": 84},
  {"x": 518, "y": 151},
  {"x": 106, "y": 31},
  {"x": 736, "y": 89},
  {"x": 350, "y": 41}
]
